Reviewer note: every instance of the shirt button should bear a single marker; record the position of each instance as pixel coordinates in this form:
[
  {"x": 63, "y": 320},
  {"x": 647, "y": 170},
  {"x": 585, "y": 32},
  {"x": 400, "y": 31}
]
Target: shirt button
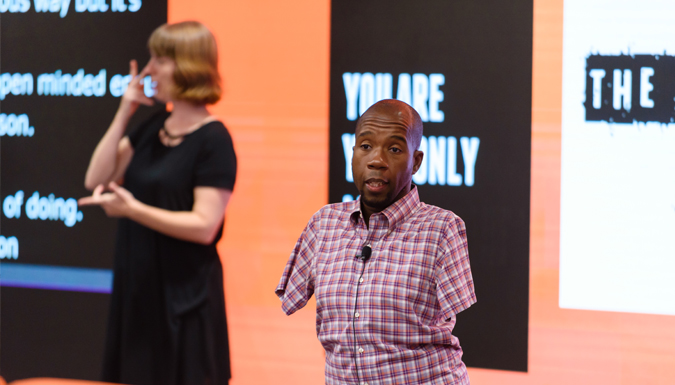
[
  {"x": 357, "y": 315},
  {"x": 360, "y": 350},
  {"x": 361, "y": 280}
]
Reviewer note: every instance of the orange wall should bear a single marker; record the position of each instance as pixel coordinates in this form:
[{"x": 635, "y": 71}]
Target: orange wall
[{"x": 275, "y": 62}]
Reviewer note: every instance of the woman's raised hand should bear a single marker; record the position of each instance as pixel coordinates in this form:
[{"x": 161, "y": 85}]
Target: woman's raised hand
[{"x": 134, "y": 95}]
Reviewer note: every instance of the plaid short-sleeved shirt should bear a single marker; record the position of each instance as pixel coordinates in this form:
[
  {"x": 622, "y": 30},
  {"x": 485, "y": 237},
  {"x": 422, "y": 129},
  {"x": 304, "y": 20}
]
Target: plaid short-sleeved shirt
[{"x": 398, "y": 330}]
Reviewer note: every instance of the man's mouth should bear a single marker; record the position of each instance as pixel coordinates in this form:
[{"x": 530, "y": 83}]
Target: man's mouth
[{"x": 376, "y": 185}]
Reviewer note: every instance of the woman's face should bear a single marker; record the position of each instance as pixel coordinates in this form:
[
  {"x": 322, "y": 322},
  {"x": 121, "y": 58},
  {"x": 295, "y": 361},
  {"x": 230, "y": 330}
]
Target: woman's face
[{"x": 161, "y": 69}]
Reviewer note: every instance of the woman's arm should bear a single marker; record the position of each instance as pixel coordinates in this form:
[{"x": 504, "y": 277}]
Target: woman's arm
[
  {"x": 113, "y": 153},
  {"x": 200, "y": 225}
]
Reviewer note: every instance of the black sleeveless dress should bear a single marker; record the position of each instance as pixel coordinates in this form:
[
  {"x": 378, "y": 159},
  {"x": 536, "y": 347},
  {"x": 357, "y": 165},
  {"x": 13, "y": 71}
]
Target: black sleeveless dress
[{"x": 167, "y": 320}]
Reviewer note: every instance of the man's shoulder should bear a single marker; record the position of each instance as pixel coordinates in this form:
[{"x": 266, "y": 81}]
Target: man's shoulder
[
  {"x": 334, "y": 212},
  {"x": 434, "y": 213},
  {"x": 439, "y": 224}
]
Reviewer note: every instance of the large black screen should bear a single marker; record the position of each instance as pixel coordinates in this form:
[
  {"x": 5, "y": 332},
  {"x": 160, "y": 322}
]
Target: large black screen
[
  {"x": 466, "y": 67},
  {"x": 62, "y": 70}
]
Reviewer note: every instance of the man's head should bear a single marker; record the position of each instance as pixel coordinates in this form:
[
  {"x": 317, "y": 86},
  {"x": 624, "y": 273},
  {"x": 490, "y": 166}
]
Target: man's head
[{"x": 385, "y": 157}]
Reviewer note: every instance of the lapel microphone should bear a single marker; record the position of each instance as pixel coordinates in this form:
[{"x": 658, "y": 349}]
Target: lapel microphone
[{"x": 365, "y": 253}]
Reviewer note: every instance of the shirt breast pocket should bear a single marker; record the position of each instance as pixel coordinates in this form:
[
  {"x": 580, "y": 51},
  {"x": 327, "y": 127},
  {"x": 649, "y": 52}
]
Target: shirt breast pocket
[{"x": 403, "y": 280}]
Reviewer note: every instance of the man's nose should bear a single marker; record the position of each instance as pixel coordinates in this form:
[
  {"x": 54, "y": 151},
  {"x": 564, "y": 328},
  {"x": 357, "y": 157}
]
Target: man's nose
[{"x": 378, "y": 160}]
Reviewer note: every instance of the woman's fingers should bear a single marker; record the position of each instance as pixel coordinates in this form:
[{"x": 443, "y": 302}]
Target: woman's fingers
[
  {"x": 114, "y": 187},
  {"x": 97, "y": 191},
  {"x": 120, "y": 191},
  {"x": 135, "y": 91},
  {"x": 135, "y": 76},
  {"x": 145, "y": 71},
  {"x": 94, "y": 199},
  {"x": 133, "y": 68},
  {"x": 86, "y": 201}
]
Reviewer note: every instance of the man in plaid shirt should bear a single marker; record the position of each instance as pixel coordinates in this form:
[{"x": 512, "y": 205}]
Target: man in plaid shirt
[{"x": 390, "y": 273}]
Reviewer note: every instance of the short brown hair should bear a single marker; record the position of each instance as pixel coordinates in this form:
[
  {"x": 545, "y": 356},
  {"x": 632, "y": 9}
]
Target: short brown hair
[{"x": 192, "y": 46}]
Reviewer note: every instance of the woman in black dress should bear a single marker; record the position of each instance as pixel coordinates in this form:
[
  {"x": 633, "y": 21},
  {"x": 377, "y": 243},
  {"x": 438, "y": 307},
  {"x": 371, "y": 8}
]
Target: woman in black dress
[{"x": 167, "y": 321}]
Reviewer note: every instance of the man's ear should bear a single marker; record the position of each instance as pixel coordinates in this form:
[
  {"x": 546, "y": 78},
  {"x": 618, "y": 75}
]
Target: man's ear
[{"x": 418, "y": 156}]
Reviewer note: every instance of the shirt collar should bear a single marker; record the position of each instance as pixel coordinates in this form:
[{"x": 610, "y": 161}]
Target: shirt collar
[{"x": 397, "y": 212}]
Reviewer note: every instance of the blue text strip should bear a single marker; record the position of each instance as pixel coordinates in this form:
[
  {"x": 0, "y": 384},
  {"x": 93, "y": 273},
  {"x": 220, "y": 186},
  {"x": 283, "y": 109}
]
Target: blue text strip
[{"x": 56, "y": 277}]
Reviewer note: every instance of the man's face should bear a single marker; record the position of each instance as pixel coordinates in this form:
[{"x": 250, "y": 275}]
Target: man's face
[{"x": 384, "y": 158}]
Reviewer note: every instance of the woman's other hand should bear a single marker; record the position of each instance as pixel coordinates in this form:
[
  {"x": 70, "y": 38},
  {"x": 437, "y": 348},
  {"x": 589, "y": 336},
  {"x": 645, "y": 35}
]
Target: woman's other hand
[{"x": 119, "y": 202}]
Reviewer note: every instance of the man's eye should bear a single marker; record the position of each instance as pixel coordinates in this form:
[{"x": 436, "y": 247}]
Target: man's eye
[
  {"x": 396, "y": 149},
  {"x": 365, "y": 146}
]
